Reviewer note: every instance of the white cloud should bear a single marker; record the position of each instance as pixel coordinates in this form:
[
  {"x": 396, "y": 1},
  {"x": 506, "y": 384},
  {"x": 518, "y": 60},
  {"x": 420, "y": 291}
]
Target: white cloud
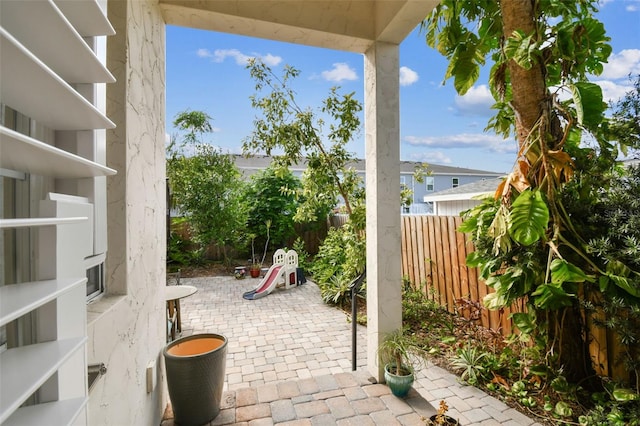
[
  {"x": 340, "y": 71},
  {"x": 271, "y": 60},
  {"x": 491, "y": 142},
  {"x": 477, "y": 101},
  {"x": 408, "y": 76},
  {"x": 632, "y": 7},
  {"x": 622, "y": 64},
  {"x": 613, "y": 92},
  {"x": 219, "y": 55},
  {"x": 430, "y": 157}
]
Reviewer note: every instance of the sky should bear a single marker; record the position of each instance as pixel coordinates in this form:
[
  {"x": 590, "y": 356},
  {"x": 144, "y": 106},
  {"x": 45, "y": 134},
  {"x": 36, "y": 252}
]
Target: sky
[{"x": 206, "y": 71}]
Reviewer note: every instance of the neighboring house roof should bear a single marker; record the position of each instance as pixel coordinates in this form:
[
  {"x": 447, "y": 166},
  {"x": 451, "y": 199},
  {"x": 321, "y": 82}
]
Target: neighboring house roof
[
  {"x": 466, "y": 192},
  {"x": 260, "y": 162}
]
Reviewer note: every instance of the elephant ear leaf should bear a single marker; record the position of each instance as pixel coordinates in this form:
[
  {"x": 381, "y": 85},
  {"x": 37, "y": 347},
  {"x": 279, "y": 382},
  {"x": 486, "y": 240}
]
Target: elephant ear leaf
[
  {"x": 563, "y": 271},
  {"x": 529, "y": 218}
]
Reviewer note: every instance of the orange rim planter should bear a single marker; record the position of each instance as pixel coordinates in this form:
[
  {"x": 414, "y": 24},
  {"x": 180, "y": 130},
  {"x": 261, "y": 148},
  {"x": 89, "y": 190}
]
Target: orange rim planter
[{"x": 195, "y": 367}]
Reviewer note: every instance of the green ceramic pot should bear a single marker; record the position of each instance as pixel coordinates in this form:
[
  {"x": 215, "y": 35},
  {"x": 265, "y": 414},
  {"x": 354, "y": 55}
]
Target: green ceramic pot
[{"x": 399, "y": 384}]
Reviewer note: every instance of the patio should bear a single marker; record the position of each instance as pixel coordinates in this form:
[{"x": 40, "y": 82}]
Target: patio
[{"x": 289, "y": 362}]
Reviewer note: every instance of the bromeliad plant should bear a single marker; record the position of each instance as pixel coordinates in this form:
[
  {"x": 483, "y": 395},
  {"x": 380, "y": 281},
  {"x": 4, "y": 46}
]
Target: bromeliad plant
[{"x": 528, "y": 238}]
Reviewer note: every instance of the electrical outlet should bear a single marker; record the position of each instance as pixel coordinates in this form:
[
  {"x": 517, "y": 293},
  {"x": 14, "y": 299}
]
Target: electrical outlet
[{"x": 151, "y": 376}]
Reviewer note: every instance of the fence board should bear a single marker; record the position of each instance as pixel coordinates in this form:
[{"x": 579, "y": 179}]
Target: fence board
[
  {"x": 453, "y": 256},
  {"x": 404, "y": 241},
  {"x": 416, "y": 252},
  {"x": 446, "y": 266},
  {"x": 422, "y": 276},
  {"x": 411, "y": 249},
  {"x": 442, "y": 289},
  {"x": 427, "y": 254},
  {"x": 446, "y": 275},
  {"x": 598, "y": 345},
  {"x": 434, "y": 293},
  {"x": 461, "y": 246}
]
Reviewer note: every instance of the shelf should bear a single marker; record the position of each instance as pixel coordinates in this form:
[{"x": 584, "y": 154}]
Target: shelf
[
  {"x": 30, "y": 87},
  {"x": 25, "y": 154},
  {"x": 25, "y": 369},
  {"x": 64, "y": 412},
  {"x": 39, "y": 221},
  {"x": 19, "y": 299},
  {"x": 63, "y": 49},
  {"x": 87, "y": 17}
]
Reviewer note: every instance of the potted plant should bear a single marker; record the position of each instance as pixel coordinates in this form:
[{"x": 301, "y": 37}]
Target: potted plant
[
  {"x": 256, "y": 265},
  {"x": 399, "y": 354},
  {"x": 441, "y": 418}
]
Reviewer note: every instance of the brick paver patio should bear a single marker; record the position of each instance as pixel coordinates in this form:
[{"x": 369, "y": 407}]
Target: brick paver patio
[{"x": 289, "y": 363}]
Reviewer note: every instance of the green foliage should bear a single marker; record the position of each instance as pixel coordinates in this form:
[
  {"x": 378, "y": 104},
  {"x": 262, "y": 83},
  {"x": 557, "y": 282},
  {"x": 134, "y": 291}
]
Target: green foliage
[
  {"x": 179, "y": 253},
  {"x": 193, "y": 123},
  {"x": 330, "y": 258},
  {"x": 399, "y": 350},
  {"x": 416, "y": 307},
  {"x": 304, "y": 261},
  {"x": 623, "y": 319},
  {"x": 207, "y": 189},
  {"x": 294, "y": 133},
  {"x": 420, "y": 312},
  {"x": 557, "y": 233},
  {"x": 614, "y": 406},
  {"x": 340, "y": 259},
  {"x": 625, "y": 126},
  {"x": 468, "y": 361},
  {"x": 529, "y": 218},
  {"x": 270, "y": 198},
  {"x": 336, "y": 291},
  {"x": 257, "y": 261}
]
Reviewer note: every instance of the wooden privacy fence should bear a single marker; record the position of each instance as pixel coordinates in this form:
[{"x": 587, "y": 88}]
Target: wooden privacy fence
[
  {"x": 434, "y": 258},
  {"x": 312, "y": 234}
]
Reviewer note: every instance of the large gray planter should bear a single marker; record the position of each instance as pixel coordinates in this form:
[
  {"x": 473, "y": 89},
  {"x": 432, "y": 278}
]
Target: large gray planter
[{"x": 195, "y": 367}]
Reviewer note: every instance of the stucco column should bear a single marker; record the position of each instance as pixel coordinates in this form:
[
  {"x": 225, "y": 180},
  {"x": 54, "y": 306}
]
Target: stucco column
[
  {"x": 382, "y": 152},
  {"x": 130, "y": 331}
]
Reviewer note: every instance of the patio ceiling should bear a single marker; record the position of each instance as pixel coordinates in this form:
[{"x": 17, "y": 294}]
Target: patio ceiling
[{"x": 350, "y": 25}]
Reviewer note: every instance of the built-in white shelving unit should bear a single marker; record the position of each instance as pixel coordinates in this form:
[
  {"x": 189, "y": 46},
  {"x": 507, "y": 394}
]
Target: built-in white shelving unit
[
  {"x": 19, "y": 299},
  {"x": 20, "y": 152},
  {"x": 62, "y": 109},
  {"x": 73, "y": 60},
  {"x": 86, "y": 17},
  {"x": 38, "y": 221},
  {"x": 66, "y": 411},
  {"x": 25, "y": 369},
  {"x": 52, "y": 67}
]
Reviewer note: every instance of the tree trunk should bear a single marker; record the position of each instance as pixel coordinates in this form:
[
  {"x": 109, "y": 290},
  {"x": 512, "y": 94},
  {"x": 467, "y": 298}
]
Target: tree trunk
[
  {"x": 531, "y": 101},
  {"x": 528, "y": 86}
]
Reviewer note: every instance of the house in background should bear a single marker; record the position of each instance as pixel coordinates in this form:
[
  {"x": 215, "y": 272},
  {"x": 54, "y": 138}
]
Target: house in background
[
  {"x": 83, "y": 190},
  {"x": 440, "y": 178},
  {"x": 453, "y": 201}
]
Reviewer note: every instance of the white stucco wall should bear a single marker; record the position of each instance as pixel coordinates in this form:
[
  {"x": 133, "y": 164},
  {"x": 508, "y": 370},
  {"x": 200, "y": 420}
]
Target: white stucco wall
[{"x": 127, "y": 327}]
